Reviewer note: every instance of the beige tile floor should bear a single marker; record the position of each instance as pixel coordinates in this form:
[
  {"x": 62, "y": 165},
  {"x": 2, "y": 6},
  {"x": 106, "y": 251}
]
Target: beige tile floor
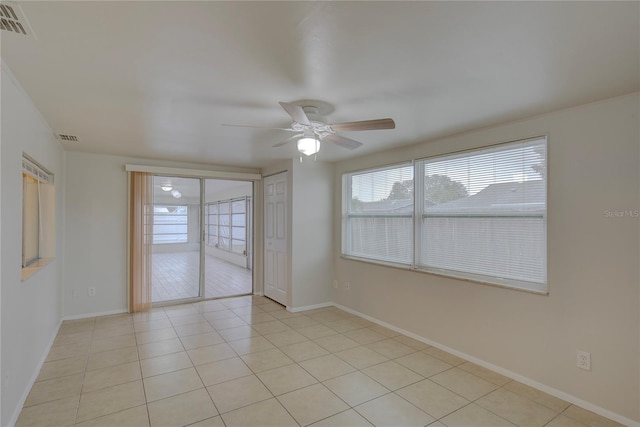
[
  {"x": 248, "y": 362},
  {"x": 176, "y": 275}
]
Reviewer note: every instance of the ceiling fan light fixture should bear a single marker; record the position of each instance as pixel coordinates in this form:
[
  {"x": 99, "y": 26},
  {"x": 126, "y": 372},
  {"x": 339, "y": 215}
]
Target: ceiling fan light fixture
[
  {"x": 308, "y": 146},
  {"x": 166, "y": 187}
]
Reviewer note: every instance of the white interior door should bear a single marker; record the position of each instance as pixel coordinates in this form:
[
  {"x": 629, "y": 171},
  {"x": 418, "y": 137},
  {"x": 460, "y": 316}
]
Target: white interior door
[{"x": 275, "y": 238}]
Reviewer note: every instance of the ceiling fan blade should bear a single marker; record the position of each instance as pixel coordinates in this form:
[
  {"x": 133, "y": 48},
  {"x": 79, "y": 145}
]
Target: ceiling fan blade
[
  {"x": 347, "y": 143},
  {"x": 257, "y": 127},
  {"x": 364, "y": 125},
  {"x": 296, "y": 112},
  {"x": 288, "y": 140}
]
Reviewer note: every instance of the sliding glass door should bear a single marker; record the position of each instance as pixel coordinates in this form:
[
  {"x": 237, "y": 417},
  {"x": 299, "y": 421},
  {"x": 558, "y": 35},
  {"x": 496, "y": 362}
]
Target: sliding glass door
[
  {"x": 201, "y": 244},
  {"x": 228, "y": 244},
  {"x": 175, "y": 242}
]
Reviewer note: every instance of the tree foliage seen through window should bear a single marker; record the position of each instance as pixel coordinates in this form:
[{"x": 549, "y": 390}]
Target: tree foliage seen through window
[
  {"x": 442, "y": 189},
  {"x": 399, "y": 191},
  {"x": 437, "y": 189}
]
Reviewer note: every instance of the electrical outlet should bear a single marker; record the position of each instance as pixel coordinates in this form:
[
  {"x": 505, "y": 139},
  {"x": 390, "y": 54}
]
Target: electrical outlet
[
  {"x": 335, "y": 283},
  {"x": 347, "y": 285},
  {"x": 584, "y": 360},
  {"x": 91, "y": 292}
]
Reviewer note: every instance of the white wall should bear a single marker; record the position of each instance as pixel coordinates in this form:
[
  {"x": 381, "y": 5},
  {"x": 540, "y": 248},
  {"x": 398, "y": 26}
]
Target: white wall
[
  {"x": 96, "y": 231},
  {"x": 95, "y": 240},
  {"x": 594, "y": 299},
  {"x": 30, "y": 310},
  {"x": 312, "y": 224}
]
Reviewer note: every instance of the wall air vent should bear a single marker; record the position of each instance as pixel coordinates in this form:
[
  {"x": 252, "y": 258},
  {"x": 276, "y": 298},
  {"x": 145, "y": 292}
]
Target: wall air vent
[
  {"x": 12, "y": 19},
  {"x": 68, "y": 138}
]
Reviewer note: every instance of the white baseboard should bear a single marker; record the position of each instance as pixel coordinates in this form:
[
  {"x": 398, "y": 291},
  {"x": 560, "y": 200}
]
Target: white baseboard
[
  {"x": 549, "y": 390},
  {"x": 87, "y": 315},
  {"x": 36, "y": 372},
  {"x": 34, "y": 377},
  {"x": 309, "y": 307},
  {"x": 514, "y": 376}
]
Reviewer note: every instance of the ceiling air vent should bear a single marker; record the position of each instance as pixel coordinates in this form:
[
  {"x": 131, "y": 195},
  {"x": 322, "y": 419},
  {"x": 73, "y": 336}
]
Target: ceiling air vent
[
  {"x": 68, "y": 138},
  {"x": 12, "y": 19}
]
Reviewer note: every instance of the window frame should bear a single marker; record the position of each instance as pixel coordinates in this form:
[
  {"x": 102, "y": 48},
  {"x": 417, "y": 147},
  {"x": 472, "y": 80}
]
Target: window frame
[
  {"x": 217, "y": 242},
  {"x": 41, "y": 250},
  {"x": 155, "y": 215},
  {"x": 419, "y": 213},
  {"x": 31, "y": 213},
  {"x": 346, "y": 215}
]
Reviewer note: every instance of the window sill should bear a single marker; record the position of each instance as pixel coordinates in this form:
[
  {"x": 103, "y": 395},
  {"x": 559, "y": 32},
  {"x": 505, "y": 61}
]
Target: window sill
[
  {"x": 34, "y": 268},
  {"x": 439, "y": 274}
]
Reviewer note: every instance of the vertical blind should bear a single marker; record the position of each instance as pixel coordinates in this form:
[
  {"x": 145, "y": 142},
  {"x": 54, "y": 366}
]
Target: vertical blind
[
  {"x": 479, "y": 214},
  {"x": 30, "y": 220},
  {"x": 37, "y": 189},
  {"x": 140, "y": 240}
]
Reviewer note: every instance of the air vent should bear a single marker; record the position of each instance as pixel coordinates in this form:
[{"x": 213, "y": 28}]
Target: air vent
[
  {"x": 68, "y": 138},
  {"x": 12, "y": 19}
]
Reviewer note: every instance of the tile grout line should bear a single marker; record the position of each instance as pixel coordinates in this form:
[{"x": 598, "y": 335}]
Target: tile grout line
[
  {"x": 236, "y": 307},
  {"x": 84, "y": 373},
  {"x": 144, "y": 389},
  {"x": 200, "y": 377}
]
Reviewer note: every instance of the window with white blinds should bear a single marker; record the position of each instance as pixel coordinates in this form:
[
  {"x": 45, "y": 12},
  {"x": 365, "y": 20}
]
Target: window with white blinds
[
  {"x": 479, "y": 215},
  {"x": 484, "y": 214},
  {"x": 170, "y": 224},
  {"x": 38, "y": 213},
  {"x": 30, "y": 219},
  {"x": 378, "y": 221}
]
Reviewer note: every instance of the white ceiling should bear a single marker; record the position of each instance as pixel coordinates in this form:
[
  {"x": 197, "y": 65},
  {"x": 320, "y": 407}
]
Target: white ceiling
[{"x": 157, "y": 79}]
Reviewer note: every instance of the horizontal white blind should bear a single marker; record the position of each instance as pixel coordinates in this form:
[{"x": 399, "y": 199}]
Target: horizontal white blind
[
  {"x": 30, "y": 220},
  {"x": 484, "y": 214},
  {"x": 379, "y": 214},
  {"x": 479, "y": 214}
]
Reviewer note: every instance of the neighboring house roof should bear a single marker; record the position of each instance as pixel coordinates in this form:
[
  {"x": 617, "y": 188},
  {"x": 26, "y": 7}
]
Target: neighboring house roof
[
  {"x": 387, "y": 206},
  {"x": 505, "y": 197},
  {"x": 395, "y": 206}
]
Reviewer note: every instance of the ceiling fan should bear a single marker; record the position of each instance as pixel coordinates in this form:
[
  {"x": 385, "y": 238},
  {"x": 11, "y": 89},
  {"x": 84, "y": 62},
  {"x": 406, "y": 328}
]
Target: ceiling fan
[{"x": 311, "y": 128}]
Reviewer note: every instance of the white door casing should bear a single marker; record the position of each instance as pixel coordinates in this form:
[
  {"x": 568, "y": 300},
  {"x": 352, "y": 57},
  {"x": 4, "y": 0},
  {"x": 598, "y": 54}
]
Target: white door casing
[{"x": 275, "y": 238}]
